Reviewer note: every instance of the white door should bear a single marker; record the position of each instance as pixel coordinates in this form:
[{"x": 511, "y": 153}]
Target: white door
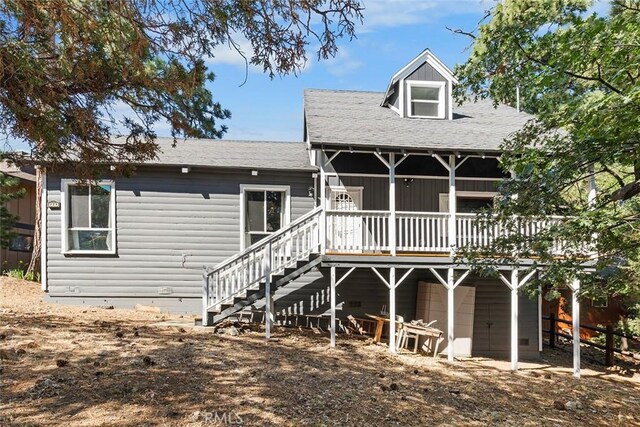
[{"x": 345, "y": 230}]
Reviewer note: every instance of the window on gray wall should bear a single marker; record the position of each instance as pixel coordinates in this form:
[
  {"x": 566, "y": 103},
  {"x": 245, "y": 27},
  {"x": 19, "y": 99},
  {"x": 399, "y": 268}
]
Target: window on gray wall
[
  {"x": 264, "y": 213},
  {"x": 89, "y": 217}
]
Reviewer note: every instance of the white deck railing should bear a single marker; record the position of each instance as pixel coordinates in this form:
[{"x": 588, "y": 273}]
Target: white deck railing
[
  {"x": 423, "y": 231},
  {"x": 358, "y": 231},
  {"x": 349, "y": 232},
  {"x": 419, "y": 232}
]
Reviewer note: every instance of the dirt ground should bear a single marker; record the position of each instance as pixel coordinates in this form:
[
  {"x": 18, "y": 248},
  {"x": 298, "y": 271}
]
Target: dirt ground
[{"x": 74, "y": 366}]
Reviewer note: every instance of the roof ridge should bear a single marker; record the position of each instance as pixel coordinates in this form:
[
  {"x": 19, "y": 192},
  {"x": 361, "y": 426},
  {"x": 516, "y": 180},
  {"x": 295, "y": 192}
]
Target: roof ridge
[
  {"x": 248, "y": 141},
  {"x": 342, "y": 90}
]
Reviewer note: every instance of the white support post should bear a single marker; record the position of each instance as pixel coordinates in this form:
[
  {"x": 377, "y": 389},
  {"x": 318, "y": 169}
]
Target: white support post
[
  {"x": 539, "y": 319},
  {"x": 392, "y": 309},
  {"x": 43, "y": 230},
  {"x": 592, "y": 200},
  {"x": 333, "y": 307},
  {"x": 514, "y": 319},
  {"x": 268, "y": 306},
  {"x": 450, "y": 314},
  {"x": 205, "y": 299},
  {"x": 575, "y": 315},
  {"x": 592, "y": 188},
  {"x": 452, "y": 203},
  {"x": 392, "y": 203},
  {"x": 323, "y": 203}
]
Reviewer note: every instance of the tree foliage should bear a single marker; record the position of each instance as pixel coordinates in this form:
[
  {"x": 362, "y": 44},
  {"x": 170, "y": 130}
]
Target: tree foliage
[
  {"x": 68, "y": 68},
  {"x": 579, "y": 76},
  {"x": 8, "y": 191}
]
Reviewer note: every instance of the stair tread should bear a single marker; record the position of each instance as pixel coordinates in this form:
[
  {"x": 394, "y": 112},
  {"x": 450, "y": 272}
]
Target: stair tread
[{"x": 255, "y": 292}]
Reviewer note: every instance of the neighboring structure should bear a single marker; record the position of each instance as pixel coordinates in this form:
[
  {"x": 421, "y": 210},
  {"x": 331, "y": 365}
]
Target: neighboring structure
[
  {"x": 596, "y": 312},
  {"x": 18, "y": 254},
  {"x": 376, "y": 200}
]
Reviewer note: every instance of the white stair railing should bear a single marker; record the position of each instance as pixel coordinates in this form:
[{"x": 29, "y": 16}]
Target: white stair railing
[{"x": 271, "y": 255}]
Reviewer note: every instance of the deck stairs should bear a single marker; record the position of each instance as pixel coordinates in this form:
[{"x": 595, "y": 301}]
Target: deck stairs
[{"x": 274, "y": 261}]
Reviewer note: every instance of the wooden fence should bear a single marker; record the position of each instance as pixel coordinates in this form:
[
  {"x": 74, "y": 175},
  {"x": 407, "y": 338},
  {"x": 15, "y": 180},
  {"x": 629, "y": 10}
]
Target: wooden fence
[{"x": 609, "y": 346}]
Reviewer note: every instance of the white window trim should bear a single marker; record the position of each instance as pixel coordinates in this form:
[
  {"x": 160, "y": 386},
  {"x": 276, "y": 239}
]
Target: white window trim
[
  {"x": 441, "y": 98},
  {"x": 250, "y": 187},
  {"x": 596, "y": 303},
  {"x": 44, "y": 220},
  {"x": 64, "y": 191},
  {"x": 444, "y": 197}
]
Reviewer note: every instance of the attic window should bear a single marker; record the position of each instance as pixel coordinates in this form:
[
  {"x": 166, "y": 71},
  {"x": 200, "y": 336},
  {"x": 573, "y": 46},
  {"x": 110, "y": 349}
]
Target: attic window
[{"x": 426, "y": 99}]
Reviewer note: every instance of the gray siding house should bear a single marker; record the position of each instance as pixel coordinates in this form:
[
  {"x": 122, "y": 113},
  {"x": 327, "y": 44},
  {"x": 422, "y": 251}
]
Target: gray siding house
[
  {"x": 361, "y": 217},
  {"x": 160, "y": 227}
]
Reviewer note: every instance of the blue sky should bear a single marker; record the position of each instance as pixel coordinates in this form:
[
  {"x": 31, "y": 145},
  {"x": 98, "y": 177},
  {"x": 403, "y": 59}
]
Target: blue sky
[{"x": 393, "y": 33}]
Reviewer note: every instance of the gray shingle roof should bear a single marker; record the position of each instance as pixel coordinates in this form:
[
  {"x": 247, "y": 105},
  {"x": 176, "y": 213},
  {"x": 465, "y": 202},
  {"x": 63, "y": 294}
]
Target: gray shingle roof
[
  {"x": 351, "y": 118},
  {"x": 25, "y": 172},
  {"x": 233, "y": 154}
]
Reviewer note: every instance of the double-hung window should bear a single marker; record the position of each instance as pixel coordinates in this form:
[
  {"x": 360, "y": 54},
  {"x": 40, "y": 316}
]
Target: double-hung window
[
  {"x": 88, "y": 217},
  {"x": 426, "y": 99},
  {"x": 265, "y": 211}
]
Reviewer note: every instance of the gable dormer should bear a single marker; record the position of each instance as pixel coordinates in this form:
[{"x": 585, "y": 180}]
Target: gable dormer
[{"x": 422, "y": 89}]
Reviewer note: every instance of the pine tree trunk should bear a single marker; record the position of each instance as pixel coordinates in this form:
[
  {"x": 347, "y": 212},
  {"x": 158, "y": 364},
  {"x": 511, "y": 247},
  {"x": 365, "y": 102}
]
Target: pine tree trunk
[{"x": 34, "y": 265}]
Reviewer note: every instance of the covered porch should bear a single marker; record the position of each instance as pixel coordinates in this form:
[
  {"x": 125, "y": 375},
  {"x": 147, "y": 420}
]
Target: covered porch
[{"x": 408, "y": 203}]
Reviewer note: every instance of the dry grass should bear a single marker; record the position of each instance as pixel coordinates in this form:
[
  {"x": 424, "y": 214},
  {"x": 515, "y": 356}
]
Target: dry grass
[{"x": 69, "y": 366}]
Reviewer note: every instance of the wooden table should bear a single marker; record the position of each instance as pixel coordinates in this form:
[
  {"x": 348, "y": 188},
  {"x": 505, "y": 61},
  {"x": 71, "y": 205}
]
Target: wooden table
[
  {"x": 380, "y": 320},
  {"x": 423, "y": 331}
]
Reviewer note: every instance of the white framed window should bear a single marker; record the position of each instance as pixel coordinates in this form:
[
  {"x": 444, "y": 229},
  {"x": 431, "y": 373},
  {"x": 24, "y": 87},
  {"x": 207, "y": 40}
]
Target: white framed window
[
  {"x": 426, "y": 99},
  {"x": 88, "y": 217},
  {"x": 345, "y": 198},
  {"x": 263, "y": 211},
  {"x": 468, "y": 201},
  {"x": 600, "y": 302}
]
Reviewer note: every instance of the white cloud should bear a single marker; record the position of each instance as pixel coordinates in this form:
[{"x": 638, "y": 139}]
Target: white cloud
[
  {"x": 240, "y": 56},
  {"x": 230, "y": 55},
  {"x": 395, "y": 13},
  {"x": 343, "y": 63}
]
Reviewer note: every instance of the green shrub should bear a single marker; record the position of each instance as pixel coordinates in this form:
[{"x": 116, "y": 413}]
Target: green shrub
[
  {"x": 629, "y": 327},
  {"x": 20, "y": 272}
]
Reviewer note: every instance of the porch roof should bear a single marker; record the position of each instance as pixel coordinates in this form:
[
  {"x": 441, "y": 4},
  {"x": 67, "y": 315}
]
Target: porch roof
[{"x": 355, "y": 119}]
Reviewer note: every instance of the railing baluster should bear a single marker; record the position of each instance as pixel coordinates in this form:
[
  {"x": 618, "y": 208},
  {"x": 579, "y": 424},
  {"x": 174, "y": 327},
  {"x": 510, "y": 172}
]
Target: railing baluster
[
  {"x": 385, "y": 237},
  {"x": 359, "y": 231},
  {"x": 365, "y": 237}
]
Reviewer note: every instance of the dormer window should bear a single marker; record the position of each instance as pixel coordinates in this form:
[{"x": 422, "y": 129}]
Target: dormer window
[
  {"x": 426, "y": 99},
  {"x": 422, "y": 89}
]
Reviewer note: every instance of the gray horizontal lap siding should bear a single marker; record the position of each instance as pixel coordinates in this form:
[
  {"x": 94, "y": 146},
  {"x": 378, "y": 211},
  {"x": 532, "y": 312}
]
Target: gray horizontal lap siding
[{"x": 169, "y": 225}]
